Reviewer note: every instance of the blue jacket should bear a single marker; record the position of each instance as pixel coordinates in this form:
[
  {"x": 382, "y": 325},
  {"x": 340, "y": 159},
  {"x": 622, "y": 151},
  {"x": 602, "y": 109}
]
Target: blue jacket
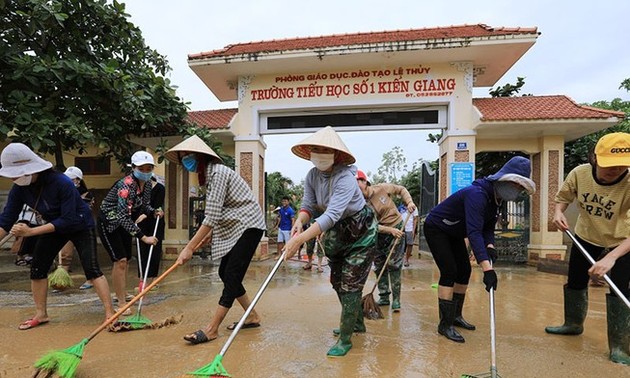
[
  {"x": 470, "y": 212},
  {"x": 60, "y": 203}
]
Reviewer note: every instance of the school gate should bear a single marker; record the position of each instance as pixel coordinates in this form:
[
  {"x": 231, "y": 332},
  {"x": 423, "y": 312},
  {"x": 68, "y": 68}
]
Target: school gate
[{"x": 405, "y": 79}]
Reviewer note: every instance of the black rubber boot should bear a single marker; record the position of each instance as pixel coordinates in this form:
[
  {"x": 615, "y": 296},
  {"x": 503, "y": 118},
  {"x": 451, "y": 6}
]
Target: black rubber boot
[
  {"x": 575, "y": 308},
  {"x": 350, "y": 307},
  {"x": 447, "y": 317},
  {"x": 459, "y": 305},
  {"x": 618, "y": 316}
]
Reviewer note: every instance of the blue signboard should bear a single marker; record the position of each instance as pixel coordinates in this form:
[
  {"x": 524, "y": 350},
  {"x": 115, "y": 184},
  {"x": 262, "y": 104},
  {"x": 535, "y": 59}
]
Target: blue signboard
[{"x": 462, "y": 175}]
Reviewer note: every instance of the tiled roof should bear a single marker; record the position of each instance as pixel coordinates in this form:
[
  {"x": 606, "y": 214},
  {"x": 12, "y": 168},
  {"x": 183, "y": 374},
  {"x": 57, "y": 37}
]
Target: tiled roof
[
  {"x": 213, "y": 119},
  {"x": 529, "y": 108},
  {"x": 396, "y": 36}
]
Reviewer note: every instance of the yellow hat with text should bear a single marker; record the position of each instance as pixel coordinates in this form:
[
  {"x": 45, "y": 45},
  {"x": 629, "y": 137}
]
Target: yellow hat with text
[{"x": 613, "y": 150}]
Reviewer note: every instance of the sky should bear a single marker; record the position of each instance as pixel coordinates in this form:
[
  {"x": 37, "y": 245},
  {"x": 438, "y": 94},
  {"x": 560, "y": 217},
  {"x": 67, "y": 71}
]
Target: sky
[{"x": 581, "y": 51}]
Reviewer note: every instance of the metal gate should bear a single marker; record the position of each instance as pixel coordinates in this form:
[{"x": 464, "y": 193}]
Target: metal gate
[
  {"x": 512, "y": 231},
  {"x": 428, "y": 200}
]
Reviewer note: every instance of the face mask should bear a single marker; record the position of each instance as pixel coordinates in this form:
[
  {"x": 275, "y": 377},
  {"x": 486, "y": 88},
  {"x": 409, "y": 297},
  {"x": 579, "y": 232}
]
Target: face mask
[
  {"x": 24, "y": 180},
  {"x": 323, "y": 162},
  {"x": 507, "y": 191},
  {"x": 142, "y": 176},
  {"x": 190, "y": 163}
]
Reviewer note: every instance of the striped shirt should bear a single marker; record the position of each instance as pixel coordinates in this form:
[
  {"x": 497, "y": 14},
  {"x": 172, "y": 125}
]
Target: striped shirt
[{"x": 230, "y": 209}]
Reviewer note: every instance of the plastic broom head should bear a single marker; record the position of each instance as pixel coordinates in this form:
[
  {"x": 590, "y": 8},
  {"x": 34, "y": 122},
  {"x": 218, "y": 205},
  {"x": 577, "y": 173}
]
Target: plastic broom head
[
  {"x": 62, "y": 363},
  {"x": 213, "y": 369},
  {"x": 137, "y": 321}
]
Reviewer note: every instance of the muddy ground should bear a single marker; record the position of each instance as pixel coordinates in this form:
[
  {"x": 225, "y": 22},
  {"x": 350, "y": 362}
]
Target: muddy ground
[{"x": 299, "y": 311}]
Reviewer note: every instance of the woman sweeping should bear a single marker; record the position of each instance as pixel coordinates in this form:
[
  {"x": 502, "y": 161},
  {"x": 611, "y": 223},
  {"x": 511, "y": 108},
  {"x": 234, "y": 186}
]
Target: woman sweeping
[
  {"x": 470, "y": 213},
  {"x": 124, "y": 203},
  {"x": 68, "y": 218},
  {"x": 333, "y": 198},
  {"x": 234, "y": 220},
  {"x": 147, "y": 225}
]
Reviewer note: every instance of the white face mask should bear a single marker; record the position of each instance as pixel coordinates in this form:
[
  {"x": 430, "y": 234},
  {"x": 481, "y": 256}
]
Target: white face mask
[
  {"x": 24, "y": 180},
  {"x": 323, "y": 162}
]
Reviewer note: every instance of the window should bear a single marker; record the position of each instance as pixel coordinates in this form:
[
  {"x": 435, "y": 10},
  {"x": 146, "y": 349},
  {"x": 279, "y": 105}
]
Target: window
[{"x": 95, "y": 165}]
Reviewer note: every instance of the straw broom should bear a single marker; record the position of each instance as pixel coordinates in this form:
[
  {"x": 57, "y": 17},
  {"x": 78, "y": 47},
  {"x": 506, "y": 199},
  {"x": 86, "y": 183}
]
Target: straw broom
[
  {"x": 370, "y": 309},
  {"x": 60, "y": 279},
  {"x": 64, "y": 363}
]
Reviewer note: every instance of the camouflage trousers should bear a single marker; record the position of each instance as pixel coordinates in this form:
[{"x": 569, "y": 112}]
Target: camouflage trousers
[
  {"x": 384, "y": 244},
  {"x": 349, "y": 246}
]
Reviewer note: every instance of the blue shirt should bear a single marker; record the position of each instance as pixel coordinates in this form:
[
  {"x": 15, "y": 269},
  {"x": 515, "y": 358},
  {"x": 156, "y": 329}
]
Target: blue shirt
[
  {"x": 470, "y": 212},
  {"x": 59, "y": 203},
  {"x": 286, "y": 215}
]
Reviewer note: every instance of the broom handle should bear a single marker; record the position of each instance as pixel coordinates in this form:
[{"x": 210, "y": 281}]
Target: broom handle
[
  {"x": 592, "y": 261},
  {"x": 5, "y": 239},
  {"x": 389, "y": 255},
  {"x": 145, "y": 290},
  {"x": 251, "y": 306},
  {"x": 146, "y": 269},
  {"x": 493, "y": 339}
]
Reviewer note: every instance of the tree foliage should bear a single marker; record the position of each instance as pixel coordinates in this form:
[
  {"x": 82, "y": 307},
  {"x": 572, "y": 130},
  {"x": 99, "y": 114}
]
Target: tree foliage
[
  {"x": 277, "y": 187},
  {"x": 576, "y": 152},
  {"x": 393, "y": 165},
  {"x": 508, "y": 90},
  {"x": 76, "y": 73}
]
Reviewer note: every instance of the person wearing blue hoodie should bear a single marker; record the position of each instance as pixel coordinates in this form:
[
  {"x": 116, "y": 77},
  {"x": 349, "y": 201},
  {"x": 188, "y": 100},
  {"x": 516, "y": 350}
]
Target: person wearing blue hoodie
[
  {"x": 333, "y": 198},
  {"x": 470, "y": 213}
]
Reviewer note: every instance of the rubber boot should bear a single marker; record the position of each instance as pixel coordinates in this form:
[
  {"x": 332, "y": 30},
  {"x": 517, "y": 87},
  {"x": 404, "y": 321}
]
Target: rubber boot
[
  {"x": 350, "y": 307},
  {"x": 394, "y": 277},
  {"x": 359, "y": 326},
  {"x": 447, "y": 317},
  {"x": 383, "y": 289},
  {"x": 459, "y": 305},
  {"x": 618, "y": 316},
  {"x": 575, "y": 308}
]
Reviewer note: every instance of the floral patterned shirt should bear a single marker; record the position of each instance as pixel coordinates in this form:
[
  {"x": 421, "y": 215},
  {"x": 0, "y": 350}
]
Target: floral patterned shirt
[{"x": 123, "y": 203}]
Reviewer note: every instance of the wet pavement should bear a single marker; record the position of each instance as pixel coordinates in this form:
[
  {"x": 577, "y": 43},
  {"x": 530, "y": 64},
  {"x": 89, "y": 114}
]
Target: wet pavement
[{"x": 299, "y": 311}]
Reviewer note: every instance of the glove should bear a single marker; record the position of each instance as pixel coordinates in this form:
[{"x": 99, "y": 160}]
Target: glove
[
  {"x": 490, "y": 280},
  {"x": 492, "y": 254}
]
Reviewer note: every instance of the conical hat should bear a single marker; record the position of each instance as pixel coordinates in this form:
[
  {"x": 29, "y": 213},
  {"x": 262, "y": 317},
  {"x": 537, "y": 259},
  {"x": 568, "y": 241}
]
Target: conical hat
[
  {"x": 192, "y": 144},
  {"x": 326, "y": 137}
]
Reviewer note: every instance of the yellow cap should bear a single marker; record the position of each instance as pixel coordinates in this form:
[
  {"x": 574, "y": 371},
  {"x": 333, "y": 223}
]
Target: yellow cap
[{"x": 613, "y": 150}]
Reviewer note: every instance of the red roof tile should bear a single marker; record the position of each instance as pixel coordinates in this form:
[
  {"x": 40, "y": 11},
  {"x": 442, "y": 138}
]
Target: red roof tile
[
  {"x": 213, "y": 119},
  {"x": 396, "y": 36},
  {"x": 529, "y": 108}
]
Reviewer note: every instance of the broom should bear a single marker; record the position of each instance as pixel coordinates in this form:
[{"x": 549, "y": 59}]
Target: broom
[
  {"x": 370, "y": 309},
  {"x": 138, "y": 321},
  {"x": 64, "y": 362},
  {"x": 493, "y": 345},
  {"x": 215, "y": 368},
  {"x": 60, "y": 279},
  {"x": 5, "y": 239}
]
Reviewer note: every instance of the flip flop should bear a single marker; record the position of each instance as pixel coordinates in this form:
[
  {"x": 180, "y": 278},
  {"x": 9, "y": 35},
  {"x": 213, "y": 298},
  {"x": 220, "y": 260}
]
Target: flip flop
[
  {"x": 31, "y": 323},
  {"x": 85, "y": 286},
  {"x": 197, "y": 337},
  {"x": 245, "y": 325},
  {"x": 307, "y": 267}
]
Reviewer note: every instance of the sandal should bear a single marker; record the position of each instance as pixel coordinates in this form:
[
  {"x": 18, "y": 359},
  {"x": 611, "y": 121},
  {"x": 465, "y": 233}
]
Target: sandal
[
  {"x": 320, "y": 270},
  {"x": 307, "y": 266},
  {"x": 31, "y": 323},
  {"x": 245, "y": 325},
  {"x": 126, "y": 313},
  {"x": 23, "y": 261},
  {"x": 197, "y": 337}
]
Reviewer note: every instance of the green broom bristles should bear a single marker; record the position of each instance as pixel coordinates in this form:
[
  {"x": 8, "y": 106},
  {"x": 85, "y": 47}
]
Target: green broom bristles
[
  {"x": 63, "y": 363},
  {"x": 60, "y": 279},
  {"x": 214, "y": 369},
  {"x": 137, "y": 321}
]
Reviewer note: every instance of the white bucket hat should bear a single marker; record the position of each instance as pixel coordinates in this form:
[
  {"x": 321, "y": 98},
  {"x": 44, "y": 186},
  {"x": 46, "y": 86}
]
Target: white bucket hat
[
  {"x": 142, "y": 158},
  {"x": 18, "y": 160},
  {"x": 326, "y": 137},
  {"x": 192, "y": 144},
  {"x": 74, "y": 173}
]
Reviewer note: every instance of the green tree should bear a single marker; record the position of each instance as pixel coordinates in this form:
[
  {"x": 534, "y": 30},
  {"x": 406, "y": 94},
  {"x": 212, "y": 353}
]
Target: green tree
[
  {"x": 277, "y": 187},
  {"x": 412, "y": 180},
  {"x": 75, "y": 73},
  {"x": 576, "y": 152},
  {"x": 393, "y": 165},
  {"x": 508, "y": 90}
]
